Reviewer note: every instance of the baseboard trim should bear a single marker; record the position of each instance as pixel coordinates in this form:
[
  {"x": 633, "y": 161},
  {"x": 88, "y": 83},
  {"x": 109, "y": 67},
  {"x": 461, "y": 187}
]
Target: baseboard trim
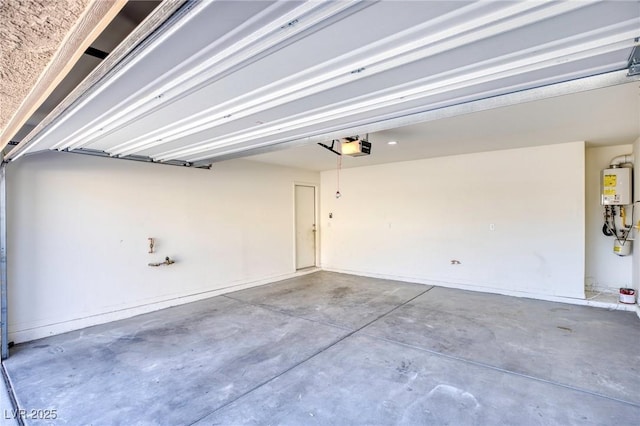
[
  {"x": 493, "y": 290},
  {"x": 46, "y": 330}
]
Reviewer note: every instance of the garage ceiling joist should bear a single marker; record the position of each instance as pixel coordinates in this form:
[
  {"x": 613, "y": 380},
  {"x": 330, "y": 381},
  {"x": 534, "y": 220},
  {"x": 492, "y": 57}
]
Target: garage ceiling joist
[{"x": 229, "y": 77}]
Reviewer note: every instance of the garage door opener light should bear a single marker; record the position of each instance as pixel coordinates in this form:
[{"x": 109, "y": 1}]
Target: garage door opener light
[{"x": 355, "y": 147}]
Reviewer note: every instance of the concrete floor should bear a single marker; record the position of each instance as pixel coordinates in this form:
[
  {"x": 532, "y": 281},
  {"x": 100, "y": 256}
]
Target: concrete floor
[
  {"x": 8, "y": 415},
  {"x": 329, "y": 348}
]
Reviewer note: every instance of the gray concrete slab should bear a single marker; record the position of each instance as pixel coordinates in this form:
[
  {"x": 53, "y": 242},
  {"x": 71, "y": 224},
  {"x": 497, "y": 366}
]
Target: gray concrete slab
[
  {"x": 339, "y": 299},
  {"x": 363, "y": 380},
  {"x": 590, "y": 348},
  {"x": 8, "y": 413},
  {"x": 168, "y": 367},
  {"x": 337, "y": 349}
]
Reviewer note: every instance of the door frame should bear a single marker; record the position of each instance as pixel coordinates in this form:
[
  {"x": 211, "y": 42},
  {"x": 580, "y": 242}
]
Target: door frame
[{"x": 316, "y": 200}]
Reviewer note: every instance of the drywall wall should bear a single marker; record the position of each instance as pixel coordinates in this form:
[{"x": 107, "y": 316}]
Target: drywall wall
[
  {"x": 514, "y": 219},
  {"x": 78, "y": 229},
  {"x": 604, "y": 271}
]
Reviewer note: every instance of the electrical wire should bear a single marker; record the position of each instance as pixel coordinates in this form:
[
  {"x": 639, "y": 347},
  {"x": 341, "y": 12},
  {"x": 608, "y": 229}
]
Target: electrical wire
[
  {"x": 606, "y": 229},
  {"x": 609, "y": 228}
]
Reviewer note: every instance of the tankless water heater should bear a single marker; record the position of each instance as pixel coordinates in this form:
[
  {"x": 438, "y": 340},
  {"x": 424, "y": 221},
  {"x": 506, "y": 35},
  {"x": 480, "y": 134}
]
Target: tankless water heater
[{"x": 616, "y": 186}]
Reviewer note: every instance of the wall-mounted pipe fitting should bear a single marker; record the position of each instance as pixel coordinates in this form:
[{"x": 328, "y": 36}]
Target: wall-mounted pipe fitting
[{"x": 167, "y": 261}]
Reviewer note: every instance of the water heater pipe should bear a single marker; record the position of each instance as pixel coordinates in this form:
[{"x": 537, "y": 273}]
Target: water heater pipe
[{"x": 621, "y": 159}]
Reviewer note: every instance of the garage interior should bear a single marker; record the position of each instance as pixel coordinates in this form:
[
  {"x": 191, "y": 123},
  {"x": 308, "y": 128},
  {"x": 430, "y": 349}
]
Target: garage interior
[{"x": 187, "y": 238}]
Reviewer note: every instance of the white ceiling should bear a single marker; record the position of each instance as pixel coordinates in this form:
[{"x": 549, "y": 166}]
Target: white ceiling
[
  {"x": 608, "y": 116},
  {"x": 228, "y": 76}
]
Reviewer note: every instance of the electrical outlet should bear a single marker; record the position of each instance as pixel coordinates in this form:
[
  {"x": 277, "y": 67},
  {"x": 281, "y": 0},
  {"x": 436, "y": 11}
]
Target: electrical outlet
[{"x": 492, "y": 227}]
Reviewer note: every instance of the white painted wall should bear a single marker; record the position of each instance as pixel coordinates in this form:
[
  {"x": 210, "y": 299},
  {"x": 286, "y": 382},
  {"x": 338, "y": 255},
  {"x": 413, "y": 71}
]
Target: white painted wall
[
  {"x": 636, "y": 197},
  {"x": 604, "y": 271},
  {"x": 78, "y": 229},
  {"x": 409, "y": 220}
]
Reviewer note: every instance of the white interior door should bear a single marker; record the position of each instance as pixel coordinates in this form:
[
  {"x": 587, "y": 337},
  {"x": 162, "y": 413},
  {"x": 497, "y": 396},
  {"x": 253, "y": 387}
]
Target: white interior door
[{"x": 305, "y": 207}]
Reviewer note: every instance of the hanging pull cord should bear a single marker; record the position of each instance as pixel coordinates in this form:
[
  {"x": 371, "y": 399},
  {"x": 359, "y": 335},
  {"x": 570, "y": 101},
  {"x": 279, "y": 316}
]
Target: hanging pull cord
[{"x": 338, "y": 167}]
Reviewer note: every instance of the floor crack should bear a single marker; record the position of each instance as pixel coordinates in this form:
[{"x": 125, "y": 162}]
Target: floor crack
[{"x": 351, "y": 333}]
